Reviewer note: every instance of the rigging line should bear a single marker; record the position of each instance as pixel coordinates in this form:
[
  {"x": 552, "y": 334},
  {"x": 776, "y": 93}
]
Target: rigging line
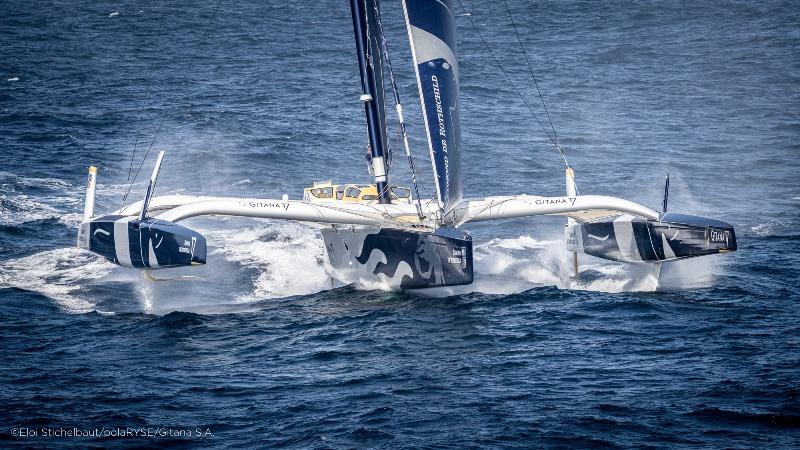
[
  {"x": 379, "y": 216},
  {"x": 371, "y": 202},
  {"x": 178, "y": 91},
  {"x": 387, "y": 187},
  {"x": 398, "y": 107},
  {"x": 147, "y": 88},
  {"x": 530, "y": 69},
  {"x": 467, "y": 216},
  {"x": 511, "y": 82}
]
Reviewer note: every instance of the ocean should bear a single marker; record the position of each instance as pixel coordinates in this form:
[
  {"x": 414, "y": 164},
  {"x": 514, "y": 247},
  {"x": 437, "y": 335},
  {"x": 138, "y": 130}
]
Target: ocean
[{"x": 256, "y": 349}]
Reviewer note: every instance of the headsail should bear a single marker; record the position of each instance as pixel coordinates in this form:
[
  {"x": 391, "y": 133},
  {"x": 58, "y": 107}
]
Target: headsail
[{"x": 432, "y": 33}]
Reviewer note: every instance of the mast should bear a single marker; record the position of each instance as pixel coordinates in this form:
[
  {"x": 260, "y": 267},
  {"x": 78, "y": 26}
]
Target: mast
[{"x": 368, "y": 61}]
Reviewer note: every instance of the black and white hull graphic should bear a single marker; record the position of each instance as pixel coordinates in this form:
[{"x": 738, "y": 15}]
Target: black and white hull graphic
[
  {"x": 399, "y": 258},
  {"x": 630, "y": 239},
  {"x": 151, "y": 243}
]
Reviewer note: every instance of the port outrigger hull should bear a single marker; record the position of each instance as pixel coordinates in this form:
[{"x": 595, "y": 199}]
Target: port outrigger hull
[{"x": 143, "y": 244}]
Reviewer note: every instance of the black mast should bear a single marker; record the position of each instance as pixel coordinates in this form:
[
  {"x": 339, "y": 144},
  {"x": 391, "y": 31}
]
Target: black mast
[{"x": 369, "y": 96}]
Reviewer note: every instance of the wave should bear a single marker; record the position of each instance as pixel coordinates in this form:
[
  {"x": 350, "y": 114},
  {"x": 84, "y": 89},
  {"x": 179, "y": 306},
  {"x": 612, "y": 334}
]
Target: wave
[
  {"x": 773, "y": 227},
  {"x": 28, "y": 199},
  {"x": 22, "y": 208},
  {"x": 60, "y": 274},
  {"x": 511, "y": 265},
  {"x": 777, "y": 420}
]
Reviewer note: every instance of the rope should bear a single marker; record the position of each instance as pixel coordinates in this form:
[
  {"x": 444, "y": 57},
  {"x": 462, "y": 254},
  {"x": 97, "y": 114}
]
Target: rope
[
  {"x": 147, "y": 88},
  {"x": 511, "y": 82},
  {"x": 468, "y": 216},
  {"x": 178, "y": 91},
  {"x": 379, "y": 216},
  {"x": 530, "y": 69},
  {"x": 420, "y": 212}
]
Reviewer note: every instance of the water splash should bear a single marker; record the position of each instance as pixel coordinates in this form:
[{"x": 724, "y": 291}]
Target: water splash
[
  {"x": 511, "y": 265},
  {"x": 266, "y": 259},
  {"x": 60, "y": 274},
  {"x": 289, "y": 257}
]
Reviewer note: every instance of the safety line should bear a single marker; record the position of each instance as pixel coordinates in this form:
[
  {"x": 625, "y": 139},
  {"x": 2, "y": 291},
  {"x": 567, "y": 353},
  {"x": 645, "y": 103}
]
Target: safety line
[
  {"x": 170, "y": 107},
  {"x": 513, "y": 85},
  {"x": 147, "y": 88}
]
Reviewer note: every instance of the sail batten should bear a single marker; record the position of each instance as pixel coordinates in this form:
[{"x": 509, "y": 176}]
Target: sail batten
[{"x": 432, "y": 34}]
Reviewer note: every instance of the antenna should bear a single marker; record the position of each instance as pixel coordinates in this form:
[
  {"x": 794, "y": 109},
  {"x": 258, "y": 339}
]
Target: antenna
[
  {"x": 666, "y": 195},
  {"x": 151, "y": 186}
]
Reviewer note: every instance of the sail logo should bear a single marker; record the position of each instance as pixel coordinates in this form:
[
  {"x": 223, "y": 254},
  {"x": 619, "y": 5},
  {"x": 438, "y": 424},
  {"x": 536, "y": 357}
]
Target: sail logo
[{"x": 437, "y": 97}]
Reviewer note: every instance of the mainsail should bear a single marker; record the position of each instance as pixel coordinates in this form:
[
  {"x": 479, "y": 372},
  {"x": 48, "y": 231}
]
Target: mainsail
[{"x": 432, "y": 33}]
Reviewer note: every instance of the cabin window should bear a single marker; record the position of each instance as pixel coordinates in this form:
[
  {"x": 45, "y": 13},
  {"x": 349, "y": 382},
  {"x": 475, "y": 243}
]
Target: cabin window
[
  {"x": 368, "y": 197},
  {"x": 326, "y": 192},
  {"x": 400, "y": 192},
  {"x": 339, "y": 192},
  {"x": 352, "y": 192}
]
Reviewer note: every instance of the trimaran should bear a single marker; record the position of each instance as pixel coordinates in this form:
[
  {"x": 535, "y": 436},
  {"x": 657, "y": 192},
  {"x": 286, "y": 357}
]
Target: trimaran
[{"x": 382, "y": 232}]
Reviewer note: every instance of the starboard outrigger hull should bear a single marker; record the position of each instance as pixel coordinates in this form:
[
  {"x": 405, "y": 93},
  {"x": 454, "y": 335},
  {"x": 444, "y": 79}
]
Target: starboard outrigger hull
[{"x": 627, "y": 238}]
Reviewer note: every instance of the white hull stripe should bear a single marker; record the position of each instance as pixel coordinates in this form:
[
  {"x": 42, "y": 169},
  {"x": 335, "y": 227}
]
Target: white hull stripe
[
  {"x": 151, "y": 257},
  {"x": 121, "y": 243},
  {"x": 668, "y": 253},
  {"x": 623, "y": 230}
]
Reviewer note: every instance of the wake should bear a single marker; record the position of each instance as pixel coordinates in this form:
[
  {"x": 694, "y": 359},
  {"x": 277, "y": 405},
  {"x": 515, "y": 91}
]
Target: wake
[{"x": 260, "y": 260}]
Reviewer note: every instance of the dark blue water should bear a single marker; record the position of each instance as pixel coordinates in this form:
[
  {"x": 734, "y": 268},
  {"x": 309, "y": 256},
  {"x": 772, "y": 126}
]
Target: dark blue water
[{"x": 258, "y": 351}]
